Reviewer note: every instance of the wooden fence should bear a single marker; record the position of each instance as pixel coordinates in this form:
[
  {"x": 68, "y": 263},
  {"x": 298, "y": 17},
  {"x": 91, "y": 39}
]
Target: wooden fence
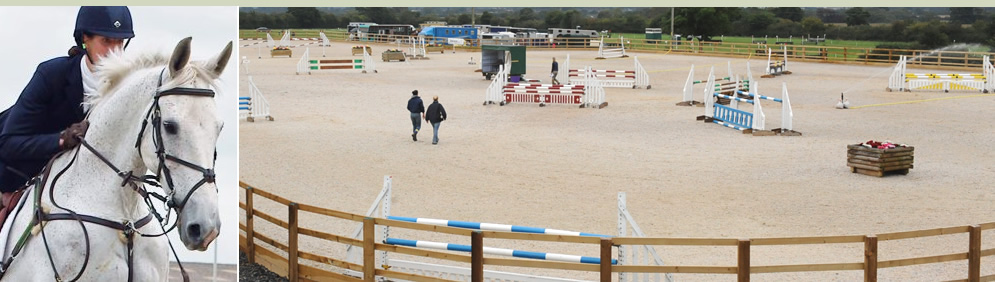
[
  {"x": 257, "y": 248},
  {"x": 952, "y": 60}
]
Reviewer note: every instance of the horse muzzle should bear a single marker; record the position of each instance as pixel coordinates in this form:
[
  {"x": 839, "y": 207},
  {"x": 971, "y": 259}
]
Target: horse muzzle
[{"x": 198, "y": 229}]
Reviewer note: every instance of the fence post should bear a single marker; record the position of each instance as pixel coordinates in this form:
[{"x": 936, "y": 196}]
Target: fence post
[
  {"x": 369, "y": 253},
  {"x": 477, "y": 256},
  {"x": 292, "y": 243},
  {"x": 606, "y": 259},
  {"x": 249, "y": 233},
  {"x": 870, "y": 258},
  {"x": 743, "y": 267},
  {"x": 974, "y": 254}
]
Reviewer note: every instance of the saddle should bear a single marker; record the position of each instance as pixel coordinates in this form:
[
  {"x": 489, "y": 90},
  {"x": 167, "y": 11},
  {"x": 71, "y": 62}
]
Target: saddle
[{"x": 8, "y": 203}]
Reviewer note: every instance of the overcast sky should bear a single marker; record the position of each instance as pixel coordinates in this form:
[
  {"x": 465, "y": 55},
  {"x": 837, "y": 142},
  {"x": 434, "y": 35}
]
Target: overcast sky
[{"x": 36, "y": 34}]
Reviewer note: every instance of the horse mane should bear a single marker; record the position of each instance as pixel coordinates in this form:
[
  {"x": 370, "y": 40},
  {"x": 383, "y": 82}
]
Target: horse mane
[{"x": 117, "y": 66}]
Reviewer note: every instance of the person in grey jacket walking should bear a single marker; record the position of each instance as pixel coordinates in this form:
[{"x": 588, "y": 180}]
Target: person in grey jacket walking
[
  {"x": 417, "y": 109},
  {"x": 435, "y": 115}
]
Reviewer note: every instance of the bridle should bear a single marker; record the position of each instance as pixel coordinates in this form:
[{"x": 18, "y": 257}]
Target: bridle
[
  {"x": 128, "y": 228},
  {"x": 155, "y": 116}
]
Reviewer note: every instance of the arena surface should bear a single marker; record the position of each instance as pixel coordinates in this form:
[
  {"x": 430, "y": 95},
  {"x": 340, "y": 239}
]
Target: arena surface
[{"x": 338, "y": 133}]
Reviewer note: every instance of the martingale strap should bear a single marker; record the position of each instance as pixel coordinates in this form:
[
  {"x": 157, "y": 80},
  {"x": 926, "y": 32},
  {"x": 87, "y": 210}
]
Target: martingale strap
[
  {"x": 123, "y": 226},
  {"x": 128, "y": 228}
]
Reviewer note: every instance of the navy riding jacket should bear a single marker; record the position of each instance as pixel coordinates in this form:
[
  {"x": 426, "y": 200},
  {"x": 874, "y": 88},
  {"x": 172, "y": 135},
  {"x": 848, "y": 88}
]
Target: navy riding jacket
[
  {"x": 415, "y": 105},
  {"x": 30, "y": 129}
]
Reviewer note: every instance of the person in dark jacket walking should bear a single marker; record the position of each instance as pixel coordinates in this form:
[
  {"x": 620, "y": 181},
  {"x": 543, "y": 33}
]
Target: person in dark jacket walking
[
  {"x": 417, "y": 109},
  {"x": 48, "y": 115},
  {"x": 435, "y": 115},
  {"x": 555, "y": 71}
]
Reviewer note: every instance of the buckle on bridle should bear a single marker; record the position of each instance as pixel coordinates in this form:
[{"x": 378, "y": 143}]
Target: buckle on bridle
[
  {"x": 171, "y": 202},
  {"x": 209, "y": 175},
  {"x": 125, "y": 177}
]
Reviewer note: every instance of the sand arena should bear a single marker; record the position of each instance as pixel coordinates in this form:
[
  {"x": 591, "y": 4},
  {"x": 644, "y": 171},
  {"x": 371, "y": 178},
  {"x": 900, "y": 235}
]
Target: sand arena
[{"x": 337, "y": 133}]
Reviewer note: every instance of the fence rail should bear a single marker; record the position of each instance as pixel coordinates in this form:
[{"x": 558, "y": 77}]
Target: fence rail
[
  {"x": 938, "y": 59},
  {"x": 258, "y": 249}
]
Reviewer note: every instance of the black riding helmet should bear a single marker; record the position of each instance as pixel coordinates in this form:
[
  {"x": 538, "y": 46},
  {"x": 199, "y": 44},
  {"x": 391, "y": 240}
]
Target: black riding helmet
[{"x": 107, "y": 21}]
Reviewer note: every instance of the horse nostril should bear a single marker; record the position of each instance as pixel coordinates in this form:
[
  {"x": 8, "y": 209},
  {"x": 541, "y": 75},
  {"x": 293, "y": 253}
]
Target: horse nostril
[{"x": 193, "y": 231}]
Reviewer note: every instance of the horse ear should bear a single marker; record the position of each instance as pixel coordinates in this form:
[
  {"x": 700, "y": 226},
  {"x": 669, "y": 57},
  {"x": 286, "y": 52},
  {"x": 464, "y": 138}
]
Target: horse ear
[
  {"x": 181, "y": 55},
  {"x": 218, "y": 62}
]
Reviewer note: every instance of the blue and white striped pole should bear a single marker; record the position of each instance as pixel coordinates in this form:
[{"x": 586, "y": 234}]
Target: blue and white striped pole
[
  {"x": 496, "y": 251},
  {"x": 760, "y": 96},
  {"x": 493, "y": 226},
  {"x": 733, "y": 98}
]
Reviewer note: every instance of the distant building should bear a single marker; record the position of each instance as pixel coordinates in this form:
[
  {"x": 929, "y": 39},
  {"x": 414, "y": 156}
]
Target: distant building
[
  {"x": 431, "y": 23},
  {"x": 392, "y": 29},
  {"x": 353, "y": 27},
  {"x": 567, "y": 32},
  {"x": 449, "y": 32}
]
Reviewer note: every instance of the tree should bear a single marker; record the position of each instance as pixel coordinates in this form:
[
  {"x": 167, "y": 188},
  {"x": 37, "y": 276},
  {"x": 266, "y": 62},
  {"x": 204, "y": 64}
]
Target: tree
[
  {"x": 553, "y": 19},
  {"x": 610, "y": 13},
  {"x": 708, "y": 21},
  {"x": 661, "y": 22},
  {"x": 407, "y": 16},
  {"x": 928, "y": 34},
  {"x": 634, "y": 23},
  {"x": 857, "y": 16},
  {"x": 526, "y": 14},
  {"x": 964, "y": 15},
  {"x": 794, "y": 14},
  {"x": 784, "y": 28},
  {"x": 988, "y": 30},
  {"x": 829, "y": 15},
  {"x": 571, "y": 19},
  {"x": 284, "y": 21},
  {"x": 758, "y": 22},
  {"x": 486, "y": 18},
  {"x": 463, "y": 19},
  {"x": 899, "y": 27},
  {"x": 813, "y": 26},
  {"x": 378, "y": 15},
  {"x": 330, "y": 21},
  {"x": 306, "y": 17}
]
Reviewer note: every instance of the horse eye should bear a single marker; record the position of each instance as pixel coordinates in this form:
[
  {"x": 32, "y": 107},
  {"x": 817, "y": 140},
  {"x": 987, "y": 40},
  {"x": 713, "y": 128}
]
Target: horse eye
[{"x": 169, "y": 126}]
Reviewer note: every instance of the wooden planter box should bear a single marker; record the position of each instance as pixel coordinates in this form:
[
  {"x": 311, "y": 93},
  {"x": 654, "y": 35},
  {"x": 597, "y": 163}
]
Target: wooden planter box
[
  {"x": 359, "y": 51},
  {"x": 392, "y": 56},
  {"x": 878, "y": 162},
  {"x": 431, "y": 49},
  {"x": 274, "y": 53}
]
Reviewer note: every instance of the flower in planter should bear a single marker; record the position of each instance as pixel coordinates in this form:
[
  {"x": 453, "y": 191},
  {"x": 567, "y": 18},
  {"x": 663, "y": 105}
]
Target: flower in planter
[{"x": 882, "y": 145}]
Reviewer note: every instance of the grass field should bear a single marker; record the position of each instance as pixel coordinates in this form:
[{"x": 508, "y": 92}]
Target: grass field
[{"x": 275, "y": 33}]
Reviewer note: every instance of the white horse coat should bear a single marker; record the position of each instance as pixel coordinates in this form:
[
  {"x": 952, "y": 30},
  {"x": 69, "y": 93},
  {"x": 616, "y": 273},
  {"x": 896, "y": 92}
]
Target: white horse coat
[{"x": 189, "y": 130}]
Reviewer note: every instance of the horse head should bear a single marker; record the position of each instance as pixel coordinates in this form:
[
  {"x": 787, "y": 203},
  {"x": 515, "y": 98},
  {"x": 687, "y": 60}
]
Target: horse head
[{"x": 179, "y": 142}]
